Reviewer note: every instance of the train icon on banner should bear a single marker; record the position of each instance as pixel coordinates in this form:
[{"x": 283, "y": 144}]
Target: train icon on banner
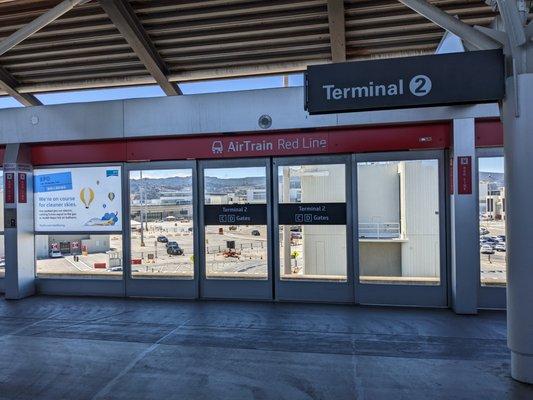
[{"x": 217, "y": 147}]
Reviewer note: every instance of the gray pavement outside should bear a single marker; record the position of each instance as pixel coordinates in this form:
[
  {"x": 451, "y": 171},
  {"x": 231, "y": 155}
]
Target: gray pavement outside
[{"x": 101, "y": 348}]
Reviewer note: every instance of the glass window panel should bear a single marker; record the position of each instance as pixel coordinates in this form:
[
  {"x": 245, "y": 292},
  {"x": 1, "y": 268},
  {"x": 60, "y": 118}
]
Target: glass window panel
[
  {"x": 236, "y": 251},
  {"x": 161, "y": 220},
  {"x": 398, "y": 221},
  {"x": 79, "y": 256},
  {"x": 492, "y": 221},
  {"x": 312, "y": 252}
]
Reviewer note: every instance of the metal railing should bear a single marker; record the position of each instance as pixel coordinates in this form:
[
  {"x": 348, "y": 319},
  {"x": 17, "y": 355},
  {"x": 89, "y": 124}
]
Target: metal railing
[{"x": 379, "y": 230}]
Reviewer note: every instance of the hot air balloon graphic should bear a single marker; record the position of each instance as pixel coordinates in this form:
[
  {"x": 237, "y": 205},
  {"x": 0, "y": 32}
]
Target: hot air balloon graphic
[
  {"x": 111, "y": 196},
  {"x": 87, "y": 196}
]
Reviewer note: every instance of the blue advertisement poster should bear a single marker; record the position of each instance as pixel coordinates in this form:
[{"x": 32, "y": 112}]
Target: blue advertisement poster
[{"x": 85, "y": 199}]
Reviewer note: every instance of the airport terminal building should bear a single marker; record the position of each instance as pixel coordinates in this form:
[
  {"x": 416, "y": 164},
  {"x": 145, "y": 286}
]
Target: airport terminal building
[
  {"x": 372, "y": 173},
  {"x": 383, "y": 180},
  {"x": 250, "y": 194}
]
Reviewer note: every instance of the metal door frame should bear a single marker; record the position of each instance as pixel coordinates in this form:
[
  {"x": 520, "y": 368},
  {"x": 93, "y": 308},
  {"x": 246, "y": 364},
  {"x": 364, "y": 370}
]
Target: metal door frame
[
  {"x": 238, "y": 289},
  {"x": 315, "y": 290},
  {"x": 489, "y": 296},
  {"x": 167, "y": 287},
  {"x": 397, "y": 294}
]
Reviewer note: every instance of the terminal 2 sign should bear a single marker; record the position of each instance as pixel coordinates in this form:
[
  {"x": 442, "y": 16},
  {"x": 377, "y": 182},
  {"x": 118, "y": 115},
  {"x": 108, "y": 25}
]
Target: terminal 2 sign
[{"x": 458, "y": 78}]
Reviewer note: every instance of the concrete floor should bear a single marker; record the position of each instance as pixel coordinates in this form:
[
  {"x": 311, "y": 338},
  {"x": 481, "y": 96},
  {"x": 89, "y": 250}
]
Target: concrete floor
[{"x": 94, "y": 348}]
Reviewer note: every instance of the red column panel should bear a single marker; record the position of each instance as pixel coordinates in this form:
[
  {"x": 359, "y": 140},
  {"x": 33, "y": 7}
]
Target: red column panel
[{"x": 489, "y": 133}]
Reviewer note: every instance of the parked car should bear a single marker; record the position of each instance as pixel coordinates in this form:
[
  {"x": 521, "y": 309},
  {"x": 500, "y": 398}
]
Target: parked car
[
  {"x": 500, "y": 247},
  {"x": 489, "y": 239},
  {"x": 162, "y": 239},
  {"x": 486, "y": 249},
  {"x": 501, "y": 238},
  {"x": 55, "y": 254},
  {"x": 170, "y": 244},
  {"x": 175, "y": 250},
  {"x": 483, "y": 231},
  {"x": 255, "y": 232}
]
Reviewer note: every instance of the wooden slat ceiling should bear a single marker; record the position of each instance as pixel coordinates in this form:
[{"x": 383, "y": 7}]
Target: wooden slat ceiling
[{"x": 202, "y": 39}]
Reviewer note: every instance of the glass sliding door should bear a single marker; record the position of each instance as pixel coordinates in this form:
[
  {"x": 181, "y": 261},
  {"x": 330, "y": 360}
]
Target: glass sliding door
[
  {"x": 400, "y": 210},
  {"x": 492, "y": 228},
  {"x": 162, "y": 248},
  {"x": 236, "y": 229},
  {"x": 312, "y": 229}
]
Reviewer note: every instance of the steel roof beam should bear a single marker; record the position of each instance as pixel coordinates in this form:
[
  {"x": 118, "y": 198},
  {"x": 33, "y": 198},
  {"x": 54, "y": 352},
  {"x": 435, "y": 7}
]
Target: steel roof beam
[
  {"x": 337, "y": 33},
  {"x": 8, "y": 84},
  {"x": 124, "y": 18},
  {"x": 37, "y": 24},
  {"x": 446, "y": 21}
]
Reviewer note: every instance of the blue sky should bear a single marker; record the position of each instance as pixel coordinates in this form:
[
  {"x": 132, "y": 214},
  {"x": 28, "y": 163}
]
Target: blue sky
[
  {"x": 491, "y": 164},
  {"x": 223, "y": 85},
  {"x": 221, "y": 173},
  {"x": 237, "y": 172}
]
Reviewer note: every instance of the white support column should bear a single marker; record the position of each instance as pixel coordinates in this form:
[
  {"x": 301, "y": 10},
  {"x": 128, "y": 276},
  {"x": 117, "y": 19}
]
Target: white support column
[
  {"x": 518, "y": 139},
  {"x": 19, "y": 236},
  {"x": 464, "y": 222}
]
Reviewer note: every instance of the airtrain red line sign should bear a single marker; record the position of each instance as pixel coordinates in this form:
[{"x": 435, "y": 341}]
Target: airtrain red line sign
[
  {"x": 428, "y": 136},
  {"x": 376, "y": 138},
  {"x": 259, "y": 145}
]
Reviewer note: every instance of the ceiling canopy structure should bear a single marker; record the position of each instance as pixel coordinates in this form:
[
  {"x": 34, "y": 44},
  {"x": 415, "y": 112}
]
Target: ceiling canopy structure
[{"x": 58, "y": 45}]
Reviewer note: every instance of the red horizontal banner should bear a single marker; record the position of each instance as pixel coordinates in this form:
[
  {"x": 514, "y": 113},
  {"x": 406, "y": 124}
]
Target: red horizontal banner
[
  {"x": 385, "y": 138},
  {"x": 284, "y": 144}
]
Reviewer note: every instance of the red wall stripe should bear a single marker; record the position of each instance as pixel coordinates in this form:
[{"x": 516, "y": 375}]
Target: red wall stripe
[
  {"x": 381, "y": 138},
  {"x": 78, "y": 153}
]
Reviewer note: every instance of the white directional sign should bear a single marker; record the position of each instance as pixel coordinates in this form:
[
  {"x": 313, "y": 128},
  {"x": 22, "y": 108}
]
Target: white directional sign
[{"x": 460, "y": 78}]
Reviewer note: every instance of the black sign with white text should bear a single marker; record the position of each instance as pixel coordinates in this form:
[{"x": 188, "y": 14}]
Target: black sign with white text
[
  {"x": 235, "y": 214},
  {"x": 458, "y": 78},
  {"x": 312, "y": 214}
]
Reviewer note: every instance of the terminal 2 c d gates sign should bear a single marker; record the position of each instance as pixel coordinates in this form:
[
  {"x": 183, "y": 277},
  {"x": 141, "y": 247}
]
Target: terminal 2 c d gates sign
[{"x": 457, "y": 78}]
